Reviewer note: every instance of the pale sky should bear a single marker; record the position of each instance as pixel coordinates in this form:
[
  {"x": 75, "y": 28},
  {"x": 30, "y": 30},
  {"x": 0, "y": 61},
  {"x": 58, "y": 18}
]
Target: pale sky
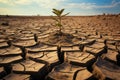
[{"x": 44, "y": 7}]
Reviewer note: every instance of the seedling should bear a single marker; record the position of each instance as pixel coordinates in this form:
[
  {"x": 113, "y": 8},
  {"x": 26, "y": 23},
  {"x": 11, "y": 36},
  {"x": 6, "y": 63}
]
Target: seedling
[{"x": 58, "y": 19}]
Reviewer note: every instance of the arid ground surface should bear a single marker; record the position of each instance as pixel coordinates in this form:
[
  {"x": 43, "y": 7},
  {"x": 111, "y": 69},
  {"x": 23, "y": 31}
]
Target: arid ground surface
[{"x": 32, "y": 49}]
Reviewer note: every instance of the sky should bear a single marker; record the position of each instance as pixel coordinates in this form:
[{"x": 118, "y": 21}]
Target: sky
[{"x": 44, "y": 7}]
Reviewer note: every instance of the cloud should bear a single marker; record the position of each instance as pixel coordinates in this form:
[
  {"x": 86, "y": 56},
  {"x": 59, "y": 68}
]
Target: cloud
[
  {"x": 44, "y": 6},
  {"x": 23, "y": 2},
  {"x": 58, "y": 3},
  {"x": 81, "y": 5},
  {"x": 115, "y": 1},
  {"x": 30, "y": 6},
  {"x": 42, "y": 3},
  {"x": 16, "y": 2},
  {"x": 5, "y": 11},
  {"x": 49, "y": 3},
  {"x": 113, "y": 4}
]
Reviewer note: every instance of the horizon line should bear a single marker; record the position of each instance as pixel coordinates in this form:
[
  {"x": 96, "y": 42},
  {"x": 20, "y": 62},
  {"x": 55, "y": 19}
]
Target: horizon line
[{"x": 54, "y": 15}]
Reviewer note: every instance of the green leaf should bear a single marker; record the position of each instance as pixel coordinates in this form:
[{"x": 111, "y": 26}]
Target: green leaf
[
  {"x": 57, "y": 12},
  {"x": 65, "y": 14},
  {"x": 61, "y": 11},
  {"x": 55, "y": 19},
  {"x": 59, "y": 15}
]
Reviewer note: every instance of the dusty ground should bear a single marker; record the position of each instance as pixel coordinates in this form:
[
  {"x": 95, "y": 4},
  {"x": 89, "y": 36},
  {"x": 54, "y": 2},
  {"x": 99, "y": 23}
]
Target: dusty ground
[
  {"x": 41, "y": 58},
  {"x": 104, "y": 25}
]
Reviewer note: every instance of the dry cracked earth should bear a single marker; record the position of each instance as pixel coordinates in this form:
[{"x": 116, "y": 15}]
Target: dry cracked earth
[{"x": 32, "y": 49}]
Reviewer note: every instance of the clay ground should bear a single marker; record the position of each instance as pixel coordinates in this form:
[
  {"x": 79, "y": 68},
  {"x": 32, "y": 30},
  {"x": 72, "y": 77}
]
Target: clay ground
[{"x": 24, "y": 57}]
